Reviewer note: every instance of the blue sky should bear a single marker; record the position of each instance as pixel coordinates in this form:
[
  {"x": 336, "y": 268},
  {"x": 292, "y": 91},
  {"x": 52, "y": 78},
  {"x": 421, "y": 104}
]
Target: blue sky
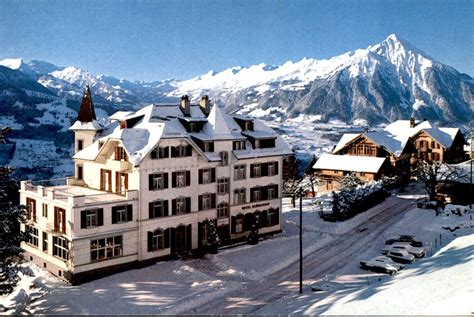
[{"x": 154, "y": 40}]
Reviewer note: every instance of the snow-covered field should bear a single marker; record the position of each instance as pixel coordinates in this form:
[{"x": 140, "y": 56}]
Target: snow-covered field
[{"x": 430, "y": 285}]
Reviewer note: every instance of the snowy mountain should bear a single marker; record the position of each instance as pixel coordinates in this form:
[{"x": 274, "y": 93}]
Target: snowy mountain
[
  {"x": 376, "y": 85},
  {"x": 382, "y": 83}
]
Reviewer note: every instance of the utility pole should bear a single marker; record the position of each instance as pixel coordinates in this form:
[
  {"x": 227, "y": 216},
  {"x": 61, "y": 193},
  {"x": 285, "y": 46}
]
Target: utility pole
[
  {"x": 471, "y": 156},
  {"x": 301, "y": 241}
]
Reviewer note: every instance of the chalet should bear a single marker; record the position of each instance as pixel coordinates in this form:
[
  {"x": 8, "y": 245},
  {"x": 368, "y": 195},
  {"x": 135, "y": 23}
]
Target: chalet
[
  {"x": 148, "y": 183},
  {"x": 431, "y": 143},
  {"x": 380, "y": 144},
  {"x": 331, "y": 168}
]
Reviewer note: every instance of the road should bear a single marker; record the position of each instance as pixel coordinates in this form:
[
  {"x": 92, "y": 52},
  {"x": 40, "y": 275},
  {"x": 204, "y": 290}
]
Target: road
[{"x": 327, "y": 260}]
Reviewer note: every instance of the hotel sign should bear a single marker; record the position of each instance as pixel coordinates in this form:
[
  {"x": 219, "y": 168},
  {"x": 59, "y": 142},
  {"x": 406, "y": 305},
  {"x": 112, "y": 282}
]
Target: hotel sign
[{"x": 255, "y": 206}]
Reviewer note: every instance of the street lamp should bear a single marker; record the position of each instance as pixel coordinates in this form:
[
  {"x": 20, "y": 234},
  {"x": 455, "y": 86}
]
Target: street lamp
[{"x": 301, "y": 241}]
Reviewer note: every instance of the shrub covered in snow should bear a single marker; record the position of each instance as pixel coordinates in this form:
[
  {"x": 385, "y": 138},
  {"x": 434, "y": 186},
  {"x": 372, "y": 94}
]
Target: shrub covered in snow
[{"x": 349, "y": 202}]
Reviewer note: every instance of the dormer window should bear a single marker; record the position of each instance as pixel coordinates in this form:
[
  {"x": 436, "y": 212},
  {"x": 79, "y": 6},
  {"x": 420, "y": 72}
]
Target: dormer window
[
  {"x": 238, "y": 145},
  {"x": 80, "y": 144},
  {"x": 120, "y": 154},
  {"x": 208, "y": 147},
  {"x": 248, "y": 126}
]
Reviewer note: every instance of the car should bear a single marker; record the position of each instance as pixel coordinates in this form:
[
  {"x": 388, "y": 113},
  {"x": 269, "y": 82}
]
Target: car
[
  {"x": 417, "y": 252},
  {"x": 401, "y": 256},
  {"x": 405, "y": 238},
  {"x": 381, "y": 264}
]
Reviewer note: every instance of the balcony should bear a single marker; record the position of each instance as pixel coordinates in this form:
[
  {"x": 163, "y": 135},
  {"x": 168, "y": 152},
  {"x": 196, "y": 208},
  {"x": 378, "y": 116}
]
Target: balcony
[{"x": 72, "y": 193}]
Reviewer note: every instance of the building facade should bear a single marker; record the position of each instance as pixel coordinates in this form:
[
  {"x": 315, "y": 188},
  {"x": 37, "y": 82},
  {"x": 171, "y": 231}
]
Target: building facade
[{"x": 148, "y": 184}]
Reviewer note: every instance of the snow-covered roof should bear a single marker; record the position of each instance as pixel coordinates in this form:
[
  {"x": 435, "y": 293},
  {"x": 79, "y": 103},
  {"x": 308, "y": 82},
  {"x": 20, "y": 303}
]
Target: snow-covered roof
[
  {"x": 92, "y": 125},
  {"x": 349, "y": 163},
  {"x": 394, "y": 144},
  {"x": 346, "y": 138},
  {"x": 445, "y": 136},
  {"x": 156, "y": 122},
  {"x": 119, "y": 115},
  {"x": 459, "y": 173}
]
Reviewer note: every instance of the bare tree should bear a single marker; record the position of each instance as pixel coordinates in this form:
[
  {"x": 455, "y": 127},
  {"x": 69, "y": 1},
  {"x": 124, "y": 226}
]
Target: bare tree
[{"x": 435, "y": 175}]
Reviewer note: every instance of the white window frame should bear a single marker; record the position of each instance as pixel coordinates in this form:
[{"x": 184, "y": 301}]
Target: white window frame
[
  {"x": 181, "y": 179},
  {"x": 271, "y": 169},
  {"x": 92, "y": 218},
  {"x": 271, "y": 193},
  {"x": 239, "y": 196},
  {"x": 206, "y": 201},
  {"x": 206, "y": 176},
  {"x": 223, "y": 210},
  {"x": 60, "y": 248},
  {"x": 224, "y": 155},
  {"x": 158, "y": 208},
  {"x": 110, "y": 247},
  {"x": 239, "y": 225},
  {"x": 158, "y": 240},
  {"x": 121, "y": 214},
  {"x": 240, "y": 172},
  {"x": 158, "y": 181},
  {"x": 257, "y": 170},
  {"x": 180, "y": 205},
  {"x": 222, "y": 186},
  {"x": 45, "y": 210}
]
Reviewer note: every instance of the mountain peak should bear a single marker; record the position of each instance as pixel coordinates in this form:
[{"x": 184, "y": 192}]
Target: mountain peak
[{"x": 12, "y": 63}]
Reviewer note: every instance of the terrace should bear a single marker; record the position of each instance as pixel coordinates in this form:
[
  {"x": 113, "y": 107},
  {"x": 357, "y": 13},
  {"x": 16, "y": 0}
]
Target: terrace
[{"x": 73, "y": 193}]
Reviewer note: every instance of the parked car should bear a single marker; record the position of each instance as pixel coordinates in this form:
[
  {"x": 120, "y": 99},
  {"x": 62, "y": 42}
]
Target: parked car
[
  {"x": 401, "y": 256},
  {"x": 381, "y": 264},
  {"x": 417, "y": 252},
  {"x": 405, "y": 238}
]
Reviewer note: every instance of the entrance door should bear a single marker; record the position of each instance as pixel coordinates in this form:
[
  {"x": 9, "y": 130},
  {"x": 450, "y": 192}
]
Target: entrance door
[{"x": 180, "y": 240}]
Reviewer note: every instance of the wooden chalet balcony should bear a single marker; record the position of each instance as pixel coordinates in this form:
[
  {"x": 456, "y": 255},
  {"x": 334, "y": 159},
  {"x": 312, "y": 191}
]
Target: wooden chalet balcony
[{"x": 69, "y": 192}]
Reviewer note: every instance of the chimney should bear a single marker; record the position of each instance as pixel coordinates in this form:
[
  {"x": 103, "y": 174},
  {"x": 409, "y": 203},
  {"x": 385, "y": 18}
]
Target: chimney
[
  {"x": 184, "y": 105},
  {"x": 412, "y": 122},
  {"x": 205, "y": 105}
]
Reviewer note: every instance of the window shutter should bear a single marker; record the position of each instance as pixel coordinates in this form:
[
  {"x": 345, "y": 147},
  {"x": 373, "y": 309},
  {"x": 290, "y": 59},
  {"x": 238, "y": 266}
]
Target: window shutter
[
  {"x": 213, "y": 175},
  {"x": 173, "y": 179},
  {"x": 165, "y": 180},
  {"x": 189, "y": 237},
  {"x": 173, "y": 151},
  {"x": 188, "y": 205},
  {"x": 125, "y": 156},
  {"x": 173, "y": 207},
  {"x": 211, "y": 147},
  {"x": 63, "y": 214},
  {"x": 34, "y": 210},
  {"x": 150, "y": 241},
  {"x": 117, "y": 182},
  {"x": 56, "y": 219},
  {"x": 213, "y": 200},
  {"x": 200, "y": 176},
  {"x": 276, "y": 191},
  {"x": 188, "y": 178},
  {"x": 200, "y": 202},
  {"x": 276, "y": 168},
  {"x": 110, "y": 181},
  {"x": 167, "y": 152},
  {"x": 129, "y": 212},
  {"x": 264, "y": 169},
  {"x": 150, "y": 210},
  {"x": 277, "y": 216},
  {"x": 264, "y": 192},
  {"x": 83, "y": 219},
  {"x": 100, "y": 216},
  {"x": 189, "y": 150},
  {"x": 167, "y": 238},
  {"x": 114, "y": 215},
  {"x": 101, "y": 179},
  {"x": 252, "y": 174},
  {"x": 126, "y": 181},
  {"x": 200, "y": 233},
  {"x": 165, "y": 207},
  {"x": 232, "y": 224},
  {"x": 154, "y": 155},
  {"x": 264, "y": 219},
  {"x": 116, "y": 153},
  {"x": 252, "y": 196},
  {"x": 150, "y": 182}
]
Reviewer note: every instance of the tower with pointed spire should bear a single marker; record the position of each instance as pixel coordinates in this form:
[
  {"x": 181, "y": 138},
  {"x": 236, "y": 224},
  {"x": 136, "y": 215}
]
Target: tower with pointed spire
[{"x": 86, "y": 126}]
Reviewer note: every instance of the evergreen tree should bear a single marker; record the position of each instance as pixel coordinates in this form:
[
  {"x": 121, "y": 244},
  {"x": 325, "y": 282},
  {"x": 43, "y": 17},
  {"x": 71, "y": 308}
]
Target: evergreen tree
[
  {"x": 11, "y": 215},
  {"x": 351, "y": 181},
  {"x": 212, "y": 236}
]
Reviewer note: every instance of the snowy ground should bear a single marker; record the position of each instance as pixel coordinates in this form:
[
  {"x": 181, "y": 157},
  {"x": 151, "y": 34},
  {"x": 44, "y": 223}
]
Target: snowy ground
[{"x": 198, "y": 285}]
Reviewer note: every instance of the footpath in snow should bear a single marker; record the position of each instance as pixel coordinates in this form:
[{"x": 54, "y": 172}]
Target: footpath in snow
[{"x": 181, "y": 286}]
